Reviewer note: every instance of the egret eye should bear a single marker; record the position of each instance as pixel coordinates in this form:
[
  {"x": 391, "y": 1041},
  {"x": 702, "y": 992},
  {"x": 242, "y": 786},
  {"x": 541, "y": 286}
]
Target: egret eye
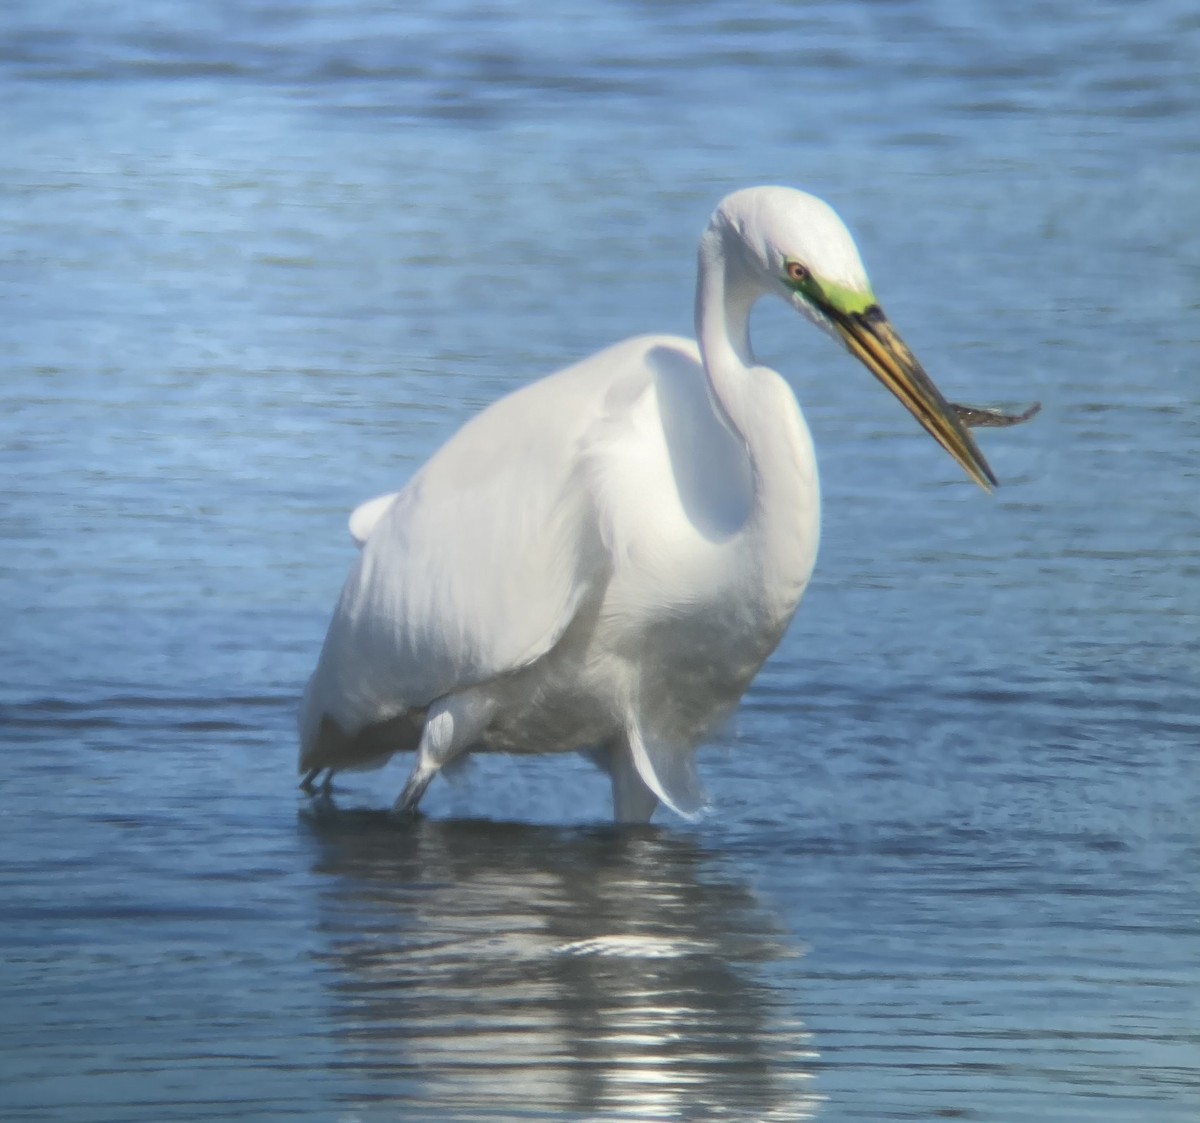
[{"x": 797, "y": 273}]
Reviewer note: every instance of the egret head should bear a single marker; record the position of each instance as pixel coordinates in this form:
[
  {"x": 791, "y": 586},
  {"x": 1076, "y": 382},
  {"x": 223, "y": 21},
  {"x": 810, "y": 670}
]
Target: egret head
[{"x": 794, "y": 245}]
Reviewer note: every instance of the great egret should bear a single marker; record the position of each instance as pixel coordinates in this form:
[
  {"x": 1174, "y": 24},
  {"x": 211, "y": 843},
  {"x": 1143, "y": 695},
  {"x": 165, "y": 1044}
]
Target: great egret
[{"x": 602, "y": 560}]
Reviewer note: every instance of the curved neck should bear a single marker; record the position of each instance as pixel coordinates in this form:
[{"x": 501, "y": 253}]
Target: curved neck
[
  {"x": 759, "y": 409},
  {"x": 725, "y": 293}
]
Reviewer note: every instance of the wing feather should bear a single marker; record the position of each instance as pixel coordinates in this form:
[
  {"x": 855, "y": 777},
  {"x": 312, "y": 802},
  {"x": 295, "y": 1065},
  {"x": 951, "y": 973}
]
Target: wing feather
[{"x": 477, "y": 567}]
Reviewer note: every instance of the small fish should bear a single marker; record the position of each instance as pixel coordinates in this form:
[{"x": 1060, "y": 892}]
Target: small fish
[{"x": 987, "y": 417}]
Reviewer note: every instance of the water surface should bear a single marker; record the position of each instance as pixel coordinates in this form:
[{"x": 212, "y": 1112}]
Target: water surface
[{"x": 260, "y": 260}]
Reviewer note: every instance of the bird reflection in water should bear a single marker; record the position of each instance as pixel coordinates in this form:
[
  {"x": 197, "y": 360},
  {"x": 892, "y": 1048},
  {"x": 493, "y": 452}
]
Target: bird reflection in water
[{"x": 492, "y": 971}]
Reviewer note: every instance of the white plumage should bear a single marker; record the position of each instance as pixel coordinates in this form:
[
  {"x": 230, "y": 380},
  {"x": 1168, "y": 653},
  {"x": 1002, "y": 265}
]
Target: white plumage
[{"x": 602, "y": 560}]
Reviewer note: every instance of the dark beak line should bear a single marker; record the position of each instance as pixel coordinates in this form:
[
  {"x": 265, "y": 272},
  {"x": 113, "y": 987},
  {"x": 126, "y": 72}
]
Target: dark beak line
[{"x": 870, "y": 338}]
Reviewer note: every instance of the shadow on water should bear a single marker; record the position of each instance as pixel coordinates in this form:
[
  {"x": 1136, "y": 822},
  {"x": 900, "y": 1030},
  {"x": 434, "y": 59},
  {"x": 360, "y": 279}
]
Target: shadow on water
[{"x": 478, "y": 969}]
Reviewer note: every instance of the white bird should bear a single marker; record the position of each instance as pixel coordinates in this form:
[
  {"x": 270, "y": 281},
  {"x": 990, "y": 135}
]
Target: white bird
[{"x": 602, "y": 560}]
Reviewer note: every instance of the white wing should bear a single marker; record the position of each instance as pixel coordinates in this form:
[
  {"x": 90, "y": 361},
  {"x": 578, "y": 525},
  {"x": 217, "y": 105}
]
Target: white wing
[{"x": 477, "y": 567}]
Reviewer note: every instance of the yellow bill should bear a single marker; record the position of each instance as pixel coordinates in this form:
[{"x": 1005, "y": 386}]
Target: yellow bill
[{"x": 872, "y": 339}]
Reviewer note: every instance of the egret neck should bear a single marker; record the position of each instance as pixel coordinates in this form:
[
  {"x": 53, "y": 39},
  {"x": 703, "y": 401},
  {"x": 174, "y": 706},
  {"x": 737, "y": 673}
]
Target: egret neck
[{"x": 757, "y": 406}]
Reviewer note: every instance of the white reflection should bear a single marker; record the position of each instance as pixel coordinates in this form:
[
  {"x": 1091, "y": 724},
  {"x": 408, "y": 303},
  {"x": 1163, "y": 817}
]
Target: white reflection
[{"x": 485, "y": 971}]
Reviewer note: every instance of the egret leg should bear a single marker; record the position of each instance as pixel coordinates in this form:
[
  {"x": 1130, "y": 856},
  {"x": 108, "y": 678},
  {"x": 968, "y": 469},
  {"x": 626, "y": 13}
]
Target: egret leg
[
  {"x": 633, "y": 801},
  {"x": 453, "y": 725},
  {"x": 309, "y": 784},
  {"x": 669, "y": 771},
  {"x": 414, "y": 788}
]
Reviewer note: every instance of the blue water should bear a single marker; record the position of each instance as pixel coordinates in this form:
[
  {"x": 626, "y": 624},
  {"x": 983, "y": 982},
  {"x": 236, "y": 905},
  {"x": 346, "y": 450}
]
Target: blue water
[{"x": 259, "y": 260}]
